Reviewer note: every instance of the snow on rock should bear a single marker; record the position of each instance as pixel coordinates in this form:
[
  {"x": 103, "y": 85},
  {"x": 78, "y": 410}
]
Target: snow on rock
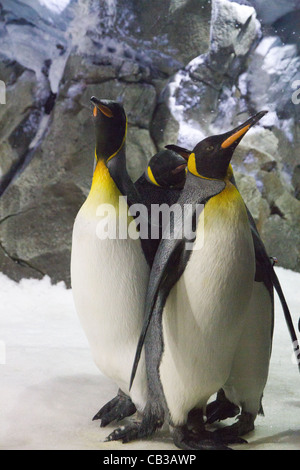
[
  {"x": 51, "y": 389},
  {"x": 234, "y": 26},
  {"x": 273, "y": 68}
]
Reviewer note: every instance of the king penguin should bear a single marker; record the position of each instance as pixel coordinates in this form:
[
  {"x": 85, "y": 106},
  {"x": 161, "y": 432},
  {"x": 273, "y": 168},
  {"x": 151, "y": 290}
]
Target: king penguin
[
  {"x": 250, "y": 369},
  {"x": 109, "y": 274},
  {"x": 194, "y": 318}
]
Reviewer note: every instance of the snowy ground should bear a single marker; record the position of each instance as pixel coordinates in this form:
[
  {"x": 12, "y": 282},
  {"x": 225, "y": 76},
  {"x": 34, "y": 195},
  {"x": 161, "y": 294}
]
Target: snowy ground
[{"x": 50, "y": 388}]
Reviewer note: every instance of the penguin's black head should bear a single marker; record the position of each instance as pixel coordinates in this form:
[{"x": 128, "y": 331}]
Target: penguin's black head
[
  {"x": 167, "y": 169},
  {"x": 211, "y": 157},
  {"x": 110, "y": 127}
]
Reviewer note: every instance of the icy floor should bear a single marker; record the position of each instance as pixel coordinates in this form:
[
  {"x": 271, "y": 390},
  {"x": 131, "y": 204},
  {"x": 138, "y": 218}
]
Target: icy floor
[{"x": 50, "y": 388}]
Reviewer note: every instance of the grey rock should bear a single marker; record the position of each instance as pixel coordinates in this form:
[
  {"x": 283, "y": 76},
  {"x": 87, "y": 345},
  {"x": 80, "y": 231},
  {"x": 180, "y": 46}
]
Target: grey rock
[
  {"x": 257, "y": 205},
  {"x": 272, "y": 186},
  {"x": 139, "y": 100},
  {"x": 282, "y": 241},
  {"x": 20, "y": 98},
  {"x": 164, "y": 127},
  {"x": 139, "y": 149},
  {"x": 296, "y": 181},
  {"x": 269, "y": 12},
  {"x": 88, "y": 68},
  {"x": 180, "y": 29},
  {"x": 210, "y": 80}
]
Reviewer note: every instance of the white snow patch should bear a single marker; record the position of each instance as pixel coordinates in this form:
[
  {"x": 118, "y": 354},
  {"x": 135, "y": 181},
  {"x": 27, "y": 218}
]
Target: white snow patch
[
  {"x": 57, "y": 6},
  {"x": 50, "y": 387}
]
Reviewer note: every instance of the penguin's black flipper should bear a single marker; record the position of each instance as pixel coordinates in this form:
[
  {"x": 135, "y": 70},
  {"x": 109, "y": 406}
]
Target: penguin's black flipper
[
  {"x": 265, "y": 272},
  {"x": 287, "y": 316},
  {"x": 115, "y": 410}
]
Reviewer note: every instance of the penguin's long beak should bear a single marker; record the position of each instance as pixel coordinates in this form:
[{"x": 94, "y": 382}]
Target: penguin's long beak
[
  {"x": 185, "y": 153},
  {"x": 102, "y": 107},
  {"x": 236, "y": 135}
]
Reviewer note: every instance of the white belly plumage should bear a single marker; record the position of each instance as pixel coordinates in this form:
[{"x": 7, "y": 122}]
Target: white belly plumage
[
  {"x": 250, "y": 368},
  {"x": 205, "y": 311},
  {"x": 109, "y": 281}
]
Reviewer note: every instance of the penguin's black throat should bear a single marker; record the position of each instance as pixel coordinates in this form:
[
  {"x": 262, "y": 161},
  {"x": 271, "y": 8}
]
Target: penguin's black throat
[
  {"x": 110, "y": 128},
  {"x": 211, "y": 157}
]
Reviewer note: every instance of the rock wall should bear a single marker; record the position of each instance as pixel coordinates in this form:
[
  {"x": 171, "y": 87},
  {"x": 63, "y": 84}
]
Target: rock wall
[{"x": 182, "y": 68}]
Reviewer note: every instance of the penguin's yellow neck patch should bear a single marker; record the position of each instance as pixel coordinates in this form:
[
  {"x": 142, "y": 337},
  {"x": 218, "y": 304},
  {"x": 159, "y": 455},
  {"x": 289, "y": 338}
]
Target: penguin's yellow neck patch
[
  {"x": 151, "y": 177},
  {"x": 103, "y": 190},
  {"x": 227, "y": 205}
]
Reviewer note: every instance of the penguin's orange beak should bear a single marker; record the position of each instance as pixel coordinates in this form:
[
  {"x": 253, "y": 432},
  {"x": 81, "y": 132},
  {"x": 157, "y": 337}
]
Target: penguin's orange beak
[
  {"x": 241, "y": 130},
  {"x": 101, "y": 107}
]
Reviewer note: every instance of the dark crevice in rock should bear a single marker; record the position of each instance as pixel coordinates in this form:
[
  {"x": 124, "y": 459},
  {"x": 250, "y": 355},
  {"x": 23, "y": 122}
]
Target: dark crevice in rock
[
  {"x": 21, "y": 262},
  {"x": 50, "y": 102},
  {"x": 16, "y": 214},
  {"x": 276, "y": 211},
  {"x": 14, "y": 171}
]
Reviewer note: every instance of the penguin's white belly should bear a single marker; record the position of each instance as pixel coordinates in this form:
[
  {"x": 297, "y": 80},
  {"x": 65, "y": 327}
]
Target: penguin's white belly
[
  {"x": 205, "y": 312},
  {"x": 250, "y": 368},
  {"x": 109, "y": 281}
]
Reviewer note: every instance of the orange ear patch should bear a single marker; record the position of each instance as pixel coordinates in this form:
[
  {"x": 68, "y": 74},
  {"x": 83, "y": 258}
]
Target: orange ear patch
[
  {"x": 105, "y": 110},
  {"x": 95, "y": 111}
]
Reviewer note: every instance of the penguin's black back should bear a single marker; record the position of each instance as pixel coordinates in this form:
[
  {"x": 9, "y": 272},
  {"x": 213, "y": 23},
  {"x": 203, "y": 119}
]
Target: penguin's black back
[{"x": 151, "y": 194}]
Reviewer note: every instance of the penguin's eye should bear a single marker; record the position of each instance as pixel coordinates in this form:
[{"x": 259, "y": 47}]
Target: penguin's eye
[{"x": 210, "y": 148}]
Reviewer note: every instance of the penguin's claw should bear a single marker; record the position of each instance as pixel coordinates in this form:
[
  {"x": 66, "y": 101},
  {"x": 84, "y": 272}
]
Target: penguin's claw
[
  {"x": 115, "y": 410},
  {"x": 127, "y": 433},
  {"x": 150, "y": 422},
  {"x": 221, "y": 409}
]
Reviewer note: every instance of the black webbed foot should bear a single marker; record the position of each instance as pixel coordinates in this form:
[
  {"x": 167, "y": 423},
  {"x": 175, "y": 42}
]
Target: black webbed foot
[
  {"x": 153, "y": 419},
  {"x": 127, "y": 433},
  {"x": 115, "y": 410},
  {"x": 232, "y": 434},
  {"x": 188, "y": 440},
  {"x": 221, "y": 409}
]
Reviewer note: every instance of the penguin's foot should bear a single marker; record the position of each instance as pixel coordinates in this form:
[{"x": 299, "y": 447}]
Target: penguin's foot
[
  {"x": 221, "y": 409},
  {"x": 244, "y": 425},
  {"x": 153, "y": 419},
  {"x": 128, "y": 433},
  {"x": 187, "y": 439},
  {"x": 115, "y": 410}
]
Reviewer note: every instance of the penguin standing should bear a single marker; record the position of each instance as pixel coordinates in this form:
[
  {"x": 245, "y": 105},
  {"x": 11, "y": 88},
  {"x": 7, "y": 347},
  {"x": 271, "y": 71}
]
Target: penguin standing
[
  {"x": 161, "y": 183},
  {"x": 110, "y": 276},
  {"x": 107, "y": 274},
  {"x": 193, "y": 313},
  {"x": 250, "y": 369}
]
